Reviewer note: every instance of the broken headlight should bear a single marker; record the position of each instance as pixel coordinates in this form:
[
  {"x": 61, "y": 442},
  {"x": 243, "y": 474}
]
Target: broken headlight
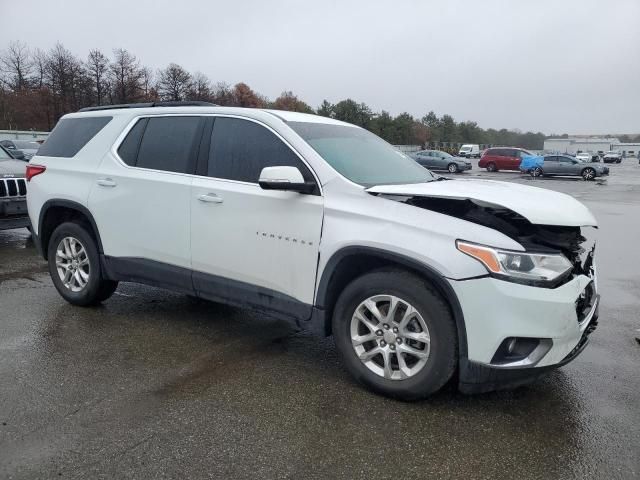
[{"x": 520, "y": 267}]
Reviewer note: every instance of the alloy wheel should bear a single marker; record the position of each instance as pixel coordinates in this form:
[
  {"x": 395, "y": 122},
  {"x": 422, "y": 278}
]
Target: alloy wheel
[
  {"x": 390, "y": 337},
  {"x": 72, "y": 264}
]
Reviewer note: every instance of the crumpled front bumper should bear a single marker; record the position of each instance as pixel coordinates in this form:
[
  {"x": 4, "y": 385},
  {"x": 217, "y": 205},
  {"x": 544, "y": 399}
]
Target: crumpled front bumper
[{"x": 495, "y": 310}]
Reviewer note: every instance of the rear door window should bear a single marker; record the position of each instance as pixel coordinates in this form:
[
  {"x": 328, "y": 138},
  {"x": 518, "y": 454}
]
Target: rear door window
[
  {"x": 168, "y": 144},
  {"x": 240, "y": 149},
  {"x": 70, "y": 135}
]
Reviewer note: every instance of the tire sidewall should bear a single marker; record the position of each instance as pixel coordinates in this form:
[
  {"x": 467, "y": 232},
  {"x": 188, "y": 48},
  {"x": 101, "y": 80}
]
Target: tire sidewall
[
  {"x": 89, "y": 293},
  {"x": 453, "y": 168},
  {"x": 443, "y": 348}
]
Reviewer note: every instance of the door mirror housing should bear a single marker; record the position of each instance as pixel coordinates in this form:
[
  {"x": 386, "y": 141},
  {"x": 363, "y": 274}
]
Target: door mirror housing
[{"x": 284, "y": 178}]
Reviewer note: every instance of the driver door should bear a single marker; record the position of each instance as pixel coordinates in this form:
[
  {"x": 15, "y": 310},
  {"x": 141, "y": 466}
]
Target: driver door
[{"x": 251, "y": 245}]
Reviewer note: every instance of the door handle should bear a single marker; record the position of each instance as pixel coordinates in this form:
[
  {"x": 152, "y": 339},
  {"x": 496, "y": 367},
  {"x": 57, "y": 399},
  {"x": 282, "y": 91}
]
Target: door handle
[
  {"x": 210, "y": 198},
  {"x": 106, "y": 182}
]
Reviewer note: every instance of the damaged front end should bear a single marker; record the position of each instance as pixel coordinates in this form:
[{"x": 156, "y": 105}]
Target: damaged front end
[{"x": 551, "y": 239}]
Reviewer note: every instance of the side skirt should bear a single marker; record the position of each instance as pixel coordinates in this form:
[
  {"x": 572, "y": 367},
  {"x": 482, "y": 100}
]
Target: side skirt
[{"x": 206, "y": 286}]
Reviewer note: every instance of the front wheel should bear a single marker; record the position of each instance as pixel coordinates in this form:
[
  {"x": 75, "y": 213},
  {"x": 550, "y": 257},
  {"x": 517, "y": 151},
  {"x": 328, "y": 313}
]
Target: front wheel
[
  {"x": 492, "y": 167},
  {"x": 453, "y": 168},
  {"x": 395, "y": 334},
  {"x": 588, "y": 174},
  {"x": 74, "y": 266}
]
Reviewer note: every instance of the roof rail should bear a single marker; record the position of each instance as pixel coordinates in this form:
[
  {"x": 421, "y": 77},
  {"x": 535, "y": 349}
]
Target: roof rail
[{"x": 149, "y": 104}]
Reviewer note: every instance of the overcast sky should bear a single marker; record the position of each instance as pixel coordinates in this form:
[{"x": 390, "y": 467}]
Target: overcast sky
[{"x": 545, "y": 65}]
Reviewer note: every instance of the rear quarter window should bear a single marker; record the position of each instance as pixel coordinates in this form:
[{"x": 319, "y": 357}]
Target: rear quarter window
[{"x": 70, "y": 135}]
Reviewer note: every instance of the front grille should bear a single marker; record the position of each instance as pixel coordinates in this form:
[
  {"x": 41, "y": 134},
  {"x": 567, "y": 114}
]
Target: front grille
[{"x": 13, "y": 187}]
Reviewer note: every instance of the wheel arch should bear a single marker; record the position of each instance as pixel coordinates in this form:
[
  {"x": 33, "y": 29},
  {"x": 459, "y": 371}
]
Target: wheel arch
[
  {"x": 351, "y": 262},
  {"x": 54, "y": 212}
]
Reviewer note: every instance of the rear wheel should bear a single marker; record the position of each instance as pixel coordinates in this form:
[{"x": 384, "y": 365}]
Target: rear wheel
[
  {"x": 536, "y": 172},
  {"x": 452, "y": 167},
  {"x": 74, "y": 266},
  {"x": 491, "y": 167},
  {"x": 395, "y": 334},
  {"x": 588, "y": 174}
]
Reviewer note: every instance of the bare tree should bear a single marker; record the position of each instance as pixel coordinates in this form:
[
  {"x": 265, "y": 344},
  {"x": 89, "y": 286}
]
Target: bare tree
[
  {"x": 66, "y": 80},
  {"x": 39, "y": 59},
  {"x": 126, "y": 77},
  {"x": 174, "y": 83},
  {"x": 222, "y": 94},
  {"x": 200, "y": 88},
  {"x": 15, "y": 63},
  {"x": 97, "y": 66}
]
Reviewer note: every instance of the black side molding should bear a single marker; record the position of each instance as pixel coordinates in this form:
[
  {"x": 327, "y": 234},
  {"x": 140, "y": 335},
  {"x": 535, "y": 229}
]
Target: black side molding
[{"x": 72, "y": 206}]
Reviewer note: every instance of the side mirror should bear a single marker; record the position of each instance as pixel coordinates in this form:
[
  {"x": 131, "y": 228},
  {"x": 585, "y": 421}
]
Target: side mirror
[{"x": 284, "y": 178}]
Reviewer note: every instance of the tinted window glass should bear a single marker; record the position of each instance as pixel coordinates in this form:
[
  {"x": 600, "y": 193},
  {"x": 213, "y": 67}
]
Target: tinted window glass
[
  {"x": 167, "y": 144},
  {"x": 240, "y": 149},
  {"x": 70, "y": 135},
  {"x": 566, "y": 159},
  {"x": 128, "y": 149},
  {"x": 361, "y": 156}
]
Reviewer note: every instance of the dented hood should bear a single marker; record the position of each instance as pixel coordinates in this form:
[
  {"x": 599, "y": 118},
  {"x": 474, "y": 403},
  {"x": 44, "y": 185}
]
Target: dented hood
[{"x": 538, "y": 205}]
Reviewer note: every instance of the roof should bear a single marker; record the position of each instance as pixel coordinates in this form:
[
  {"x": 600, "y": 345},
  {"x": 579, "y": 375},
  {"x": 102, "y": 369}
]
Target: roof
[{"x": 159, "y": 108}]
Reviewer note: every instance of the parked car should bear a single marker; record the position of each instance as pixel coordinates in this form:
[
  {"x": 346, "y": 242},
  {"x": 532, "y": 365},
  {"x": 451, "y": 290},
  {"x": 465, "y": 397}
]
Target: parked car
[
  {"x": 29, "y": 149},
  {"x": 502, "y": 158},
  {"x": 325, "y": 224},
  {"x": 15, "y": 154},
  {"x": 612, "y": 157},
  {"x": 13, "y": 192},
  {"x": 469, "y": 150},
  {"x": 584, "y": 156},
  {"x": 437, "y": 160},
  {"x": 566, "y": 165}
]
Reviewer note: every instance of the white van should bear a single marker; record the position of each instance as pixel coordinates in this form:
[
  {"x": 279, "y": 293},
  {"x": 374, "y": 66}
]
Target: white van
[{"x": 469, "y": 150}]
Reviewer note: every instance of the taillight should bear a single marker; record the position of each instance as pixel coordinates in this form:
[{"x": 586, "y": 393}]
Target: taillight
[{"x": 33, "y": 170}]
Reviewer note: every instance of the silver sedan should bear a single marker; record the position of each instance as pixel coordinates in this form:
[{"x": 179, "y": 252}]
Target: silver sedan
[{"x": 566, "y": 165}]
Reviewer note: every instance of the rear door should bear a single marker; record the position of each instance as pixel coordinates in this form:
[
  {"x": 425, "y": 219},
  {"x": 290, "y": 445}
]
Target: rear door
[
  {"x": 551, "y": 165},
  {"x": 142, "y": 196},
  {"x": 248, "y": 244}
]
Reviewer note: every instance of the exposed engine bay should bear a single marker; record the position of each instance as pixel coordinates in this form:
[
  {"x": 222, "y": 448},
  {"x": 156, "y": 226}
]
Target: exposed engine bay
[{"x": 538, "y": 238}]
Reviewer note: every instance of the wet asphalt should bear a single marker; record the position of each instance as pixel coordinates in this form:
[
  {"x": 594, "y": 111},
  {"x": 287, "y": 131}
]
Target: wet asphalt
[{"x": 153, "y": 384}]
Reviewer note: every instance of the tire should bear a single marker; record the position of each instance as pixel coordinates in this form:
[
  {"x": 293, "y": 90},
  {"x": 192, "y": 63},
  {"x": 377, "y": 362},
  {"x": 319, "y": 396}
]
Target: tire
[
  {"x": 588, "y": 173},
  {"x": 86, "y": 285},
  {"x": 536, "y": 172},
  {"x": 429, "y": 374},
  {"x": 491, "y": 167},
  {"x": 452, "y": 167}
]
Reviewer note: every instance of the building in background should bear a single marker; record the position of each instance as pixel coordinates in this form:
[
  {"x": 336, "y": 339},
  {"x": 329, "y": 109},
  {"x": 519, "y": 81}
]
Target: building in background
[{"x": 573, "y": 145}]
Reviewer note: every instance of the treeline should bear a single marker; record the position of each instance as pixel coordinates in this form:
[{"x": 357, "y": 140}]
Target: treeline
[{"x": 37, "y": 87}]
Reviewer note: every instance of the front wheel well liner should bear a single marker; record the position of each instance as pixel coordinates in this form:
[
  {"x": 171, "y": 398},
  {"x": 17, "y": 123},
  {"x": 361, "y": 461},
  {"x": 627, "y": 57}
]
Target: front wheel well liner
[{"x": 351, "y": 262}]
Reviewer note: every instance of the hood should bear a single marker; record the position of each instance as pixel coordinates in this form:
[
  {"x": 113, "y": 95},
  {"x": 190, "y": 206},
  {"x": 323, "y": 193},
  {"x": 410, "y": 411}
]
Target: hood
[
  {"x": 538, "y": 205},
  {"x": 14, "y": 168}
]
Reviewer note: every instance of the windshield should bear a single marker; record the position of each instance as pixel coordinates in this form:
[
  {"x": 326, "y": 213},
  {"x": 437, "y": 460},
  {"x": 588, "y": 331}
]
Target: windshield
[
  {"x": 465, "y": 148},
  {"x": 445, "y": 154},
  {"x": 26, "y": 145},
  {"x": 361, "y": 156},
  {"x": 4, "y": 155}
]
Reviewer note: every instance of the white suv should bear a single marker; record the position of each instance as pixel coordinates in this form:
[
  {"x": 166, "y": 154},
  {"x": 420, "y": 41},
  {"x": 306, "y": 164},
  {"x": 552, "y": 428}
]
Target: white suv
[{"x": 419, "y": 278}]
